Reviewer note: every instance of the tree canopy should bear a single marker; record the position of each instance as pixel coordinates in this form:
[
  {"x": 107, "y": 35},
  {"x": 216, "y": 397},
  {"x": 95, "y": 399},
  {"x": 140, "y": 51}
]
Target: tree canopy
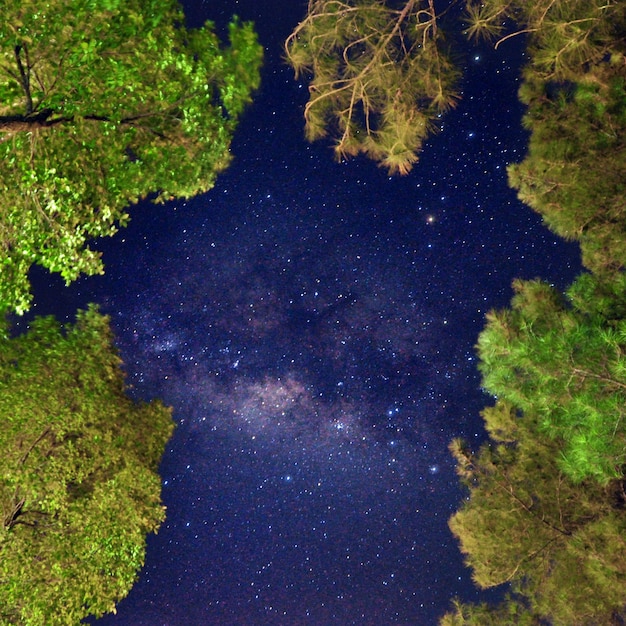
[
  {"x": 574, "y": 86},
  {"x": 102, "y": 103},
  {"x": 79, "y": 488},
  {"x": 566, "y": 364},
  {"x": 559, "y": 543},
  {"x": 380, "y": 76},
  {"x": 547, "y": 492}
]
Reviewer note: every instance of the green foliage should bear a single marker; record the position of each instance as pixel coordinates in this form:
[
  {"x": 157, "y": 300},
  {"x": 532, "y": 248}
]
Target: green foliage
[
  {"x": 101, "y": 104},
  {"x": 511, "y": 611},
  {"x": 381, "y": 76},
  {"x": 564, "y": 36},
  {"x": 565, "y": 366},
  {"x": 573, "y": 174},
  {"x": 527, "y": 524},
  {"x": 513, "y": 522},
  {"x": 79, "y": 489},
  {"x": 547, "y": 493},
  {"x": 575, "y": 89}
]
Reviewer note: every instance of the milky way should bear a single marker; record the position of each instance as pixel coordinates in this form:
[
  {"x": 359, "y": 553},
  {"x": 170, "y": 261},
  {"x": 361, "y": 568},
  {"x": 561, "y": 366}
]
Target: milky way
[
  {"x": 312, "y": 372},
  {"x": 317, "y": 340}
]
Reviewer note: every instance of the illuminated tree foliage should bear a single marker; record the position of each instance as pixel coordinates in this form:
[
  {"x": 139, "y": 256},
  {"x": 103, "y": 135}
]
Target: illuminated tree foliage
[
  {"x": 380, "y": 76},
  {"x": 575, "y": 89},
  {"x": 103, "y": 102},
  {"x": 566, "y": 38},
  {"x": 547, "y": 499},
  {"x": 567, "y": 366},
  {"x": 576, "y": 165},
  {"x": 79, "y": 488},
  {"x": 558, "y": 543},
  {"x": 510, "y": 611},
  {"x": 547, "y": 492}
]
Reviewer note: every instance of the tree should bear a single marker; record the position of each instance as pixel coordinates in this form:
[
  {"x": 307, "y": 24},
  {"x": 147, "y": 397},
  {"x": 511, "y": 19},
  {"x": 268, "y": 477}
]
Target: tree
[
  {"x": 575, "y": 90},
  {"x": 381, "y": 76},
  {"x": 559, "y": 544},
  {"x": 547, "y": 492},
  {"x": 564, "y": 362},
  {"x": 79, "y": 488},
  {"x": 103, "y": 102}
]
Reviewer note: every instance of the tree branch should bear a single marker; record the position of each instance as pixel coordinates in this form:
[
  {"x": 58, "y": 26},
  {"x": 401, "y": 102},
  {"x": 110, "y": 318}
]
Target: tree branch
[
  {"x": 24, "y": 79},
  {"x": 355, "y": 82},
  {"x": 33, "y": 445},
  {"x": 607, "y": 379},
  {"x": 43, "y": 119},
  {"x": 12, "y": 515}
]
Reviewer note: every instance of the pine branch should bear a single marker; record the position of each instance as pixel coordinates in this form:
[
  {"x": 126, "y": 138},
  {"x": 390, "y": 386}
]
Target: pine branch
[{"x": 586, "y": 373}]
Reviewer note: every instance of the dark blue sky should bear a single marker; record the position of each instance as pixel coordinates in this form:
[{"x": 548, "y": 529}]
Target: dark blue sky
[{"x": 312, "y": 324}]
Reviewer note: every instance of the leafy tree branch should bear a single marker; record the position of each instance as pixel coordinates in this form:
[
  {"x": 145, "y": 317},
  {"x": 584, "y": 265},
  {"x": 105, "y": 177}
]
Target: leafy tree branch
[
  {"x": 79, "y": 489},
  {"x": 102, "y": 108},
  {"x": 380, "y": 77}
]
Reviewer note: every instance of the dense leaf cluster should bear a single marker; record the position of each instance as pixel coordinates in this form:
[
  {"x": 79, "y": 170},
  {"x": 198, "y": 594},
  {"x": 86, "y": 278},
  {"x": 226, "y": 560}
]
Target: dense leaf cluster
[
  {"x": 547, "y": 503},
  {"x": 565, "y": 363},
  {"x": 79, "y": 488},
  {"x": 528, "y": 525},
  {"x": 101, "y": 104}
]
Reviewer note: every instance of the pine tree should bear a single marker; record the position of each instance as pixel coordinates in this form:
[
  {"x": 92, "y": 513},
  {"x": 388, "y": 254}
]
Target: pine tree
[
  {"x": 575, "y": 90},
  {"x": 380, "y": 76},
  {"x": 565, "y": 37},
  {"x": 526, "y": 524},
  {"x": 545, "y": 511},
  {"x": 547, "y": 492}
]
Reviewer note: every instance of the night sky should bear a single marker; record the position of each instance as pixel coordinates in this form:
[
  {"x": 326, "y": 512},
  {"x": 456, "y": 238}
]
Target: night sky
[{"x": 312, "y": 324}]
